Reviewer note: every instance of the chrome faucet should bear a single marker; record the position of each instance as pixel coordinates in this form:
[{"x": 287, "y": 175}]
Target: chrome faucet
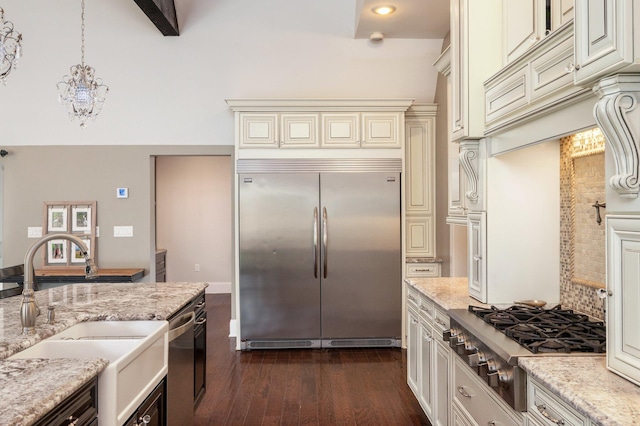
[{"x": 29, "y": 309}]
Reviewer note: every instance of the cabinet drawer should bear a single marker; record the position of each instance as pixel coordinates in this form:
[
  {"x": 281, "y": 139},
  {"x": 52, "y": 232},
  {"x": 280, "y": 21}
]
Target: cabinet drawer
[
  {"x": 548, "y": 409},
  {"x": 81, "y": 408},
  {"x": 440, "y": 321},
  {"x": 423, "y": 270},
  {"x": 426, "y": 308},
  {"x": 413, "y": 298},
  {"x": 474, "y": 396}
]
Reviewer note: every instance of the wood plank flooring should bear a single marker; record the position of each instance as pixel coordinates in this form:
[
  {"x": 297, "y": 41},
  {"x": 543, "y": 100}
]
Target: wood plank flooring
[{"x": 301, "y": 386}]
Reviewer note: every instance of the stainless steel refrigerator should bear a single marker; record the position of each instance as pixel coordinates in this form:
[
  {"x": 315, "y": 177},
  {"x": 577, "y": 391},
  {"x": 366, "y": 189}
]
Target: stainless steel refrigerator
[{"x": 320, "y": 259}]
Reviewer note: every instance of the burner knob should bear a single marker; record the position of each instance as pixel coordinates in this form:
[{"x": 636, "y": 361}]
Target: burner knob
[
  {"x": 477, "y": 358},
  {"x": 483, "y": 369},
  {"x": 460, "y": 348},
  {"x": 493, "y": 380},
  {"x": 455, "y": 340},
  {"x": 446, "y": 335},
  {"x": 469, "y": 348}
]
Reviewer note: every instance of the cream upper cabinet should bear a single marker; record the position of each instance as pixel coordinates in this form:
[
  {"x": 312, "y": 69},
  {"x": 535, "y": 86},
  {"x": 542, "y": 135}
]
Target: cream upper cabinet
[
  {"x": 526, "y": 22},
  {"x": 420, "y": 136},
  {"x": 477, "y": 246},
  {"x": 623, "y": 285},
  {"x": 606, "y": 38},
  {"x": 258, "y": 130},
  {"x": 476, "y": 54},
  {"x": 319, "y": 123},
  {"x": 341, "y": 130},
  {"x": 524, "y": 25},
  {"x": 299, "y": 130}
]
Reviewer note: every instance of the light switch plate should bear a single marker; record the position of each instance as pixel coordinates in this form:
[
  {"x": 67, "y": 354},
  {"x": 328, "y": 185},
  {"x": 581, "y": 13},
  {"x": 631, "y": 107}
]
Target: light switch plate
[
  {"x": 122, "y": 231},
  {"x": 34, "y": 232}
]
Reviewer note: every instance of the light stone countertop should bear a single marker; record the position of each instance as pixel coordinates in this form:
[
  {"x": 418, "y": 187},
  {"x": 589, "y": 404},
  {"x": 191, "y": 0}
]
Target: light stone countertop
[
  {"x": 586, "y": 385},
  {"x": 31, "y": 388},
  {"x": 581, "y": 381},
  {"x": 446, "y": 292}
]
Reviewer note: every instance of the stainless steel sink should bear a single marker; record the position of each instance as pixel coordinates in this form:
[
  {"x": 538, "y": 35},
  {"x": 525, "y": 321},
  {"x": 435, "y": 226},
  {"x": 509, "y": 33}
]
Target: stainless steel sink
[{"x": 137, "y": 352}]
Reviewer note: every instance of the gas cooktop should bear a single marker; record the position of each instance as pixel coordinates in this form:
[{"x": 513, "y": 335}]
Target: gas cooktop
[{"x": 546, "y": 330}]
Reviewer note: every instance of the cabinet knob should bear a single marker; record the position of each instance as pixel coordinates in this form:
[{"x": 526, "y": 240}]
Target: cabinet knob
[
  {"x": 145, "y": 420},
  {"x": 476, "y": 257}
]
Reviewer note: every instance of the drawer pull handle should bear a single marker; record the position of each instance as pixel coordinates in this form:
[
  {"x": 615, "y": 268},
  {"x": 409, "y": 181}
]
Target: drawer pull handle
[
  {"x": 413, "y": 299},
  {"x": 491, "y": 423},
  {"x": 543, "y": 410},
  {"x": 442, "y": 323},
  {"x": 422, "y": 308},
  {"x": 200, "y": 321},
  {"x": 463, "y": 392},
  {"x": 423, "y": 270}
]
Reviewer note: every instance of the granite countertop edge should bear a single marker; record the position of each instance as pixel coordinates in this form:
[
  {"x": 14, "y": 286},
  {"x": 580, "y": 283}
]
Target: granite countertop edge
[{"x": 44, "y": 383}]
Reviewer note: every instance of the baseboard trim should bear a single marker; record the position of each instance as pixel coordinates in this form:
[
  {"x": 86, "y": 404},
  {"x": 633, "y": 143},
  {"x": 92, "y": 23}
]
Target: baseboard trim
[{"x": 233, "y": 324}]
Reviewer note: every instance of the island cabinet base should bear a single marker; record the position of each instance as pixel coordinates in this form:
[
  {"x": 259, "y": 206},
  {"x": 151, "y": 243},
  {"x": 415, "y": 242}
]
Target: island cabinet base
[
  {"x": 153, "y": 410},
  {"x": 80, "y": 409}
]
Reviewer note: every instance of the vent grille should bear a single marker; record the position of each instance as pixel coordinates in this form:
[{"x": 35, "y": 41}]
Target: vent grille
[
  {"x": 298, "y": 165},
  {"x": 281, "y": 344},
  {"x": 359, "y": 343}
]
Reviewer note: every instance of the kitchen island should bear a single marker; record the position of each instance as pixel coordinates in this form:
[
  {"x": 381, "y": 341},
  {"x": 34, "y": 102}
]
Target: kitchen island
[
  {"x": 582, "y": 382},
  {"x": 30, "y": 388}
]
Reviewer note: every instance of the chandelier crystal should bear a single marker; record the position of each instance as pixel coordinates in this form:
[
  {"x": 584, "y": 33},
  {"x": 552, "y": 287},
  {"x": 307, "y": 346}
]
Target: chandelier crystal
[
  {"x": 10, "y": 48},
  {"x": 81, "y": 92}
]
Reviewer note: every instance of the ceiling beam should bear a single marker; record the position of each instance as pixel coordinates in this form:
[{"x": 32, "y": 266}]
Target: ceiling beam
[{"x": 163, "y": 15}]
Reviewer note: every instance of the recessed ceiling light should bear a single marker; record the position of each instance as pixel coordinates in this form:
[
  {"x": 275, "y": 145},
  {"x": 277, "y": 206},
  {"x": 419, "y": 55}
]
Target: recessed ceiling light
[{"x": 383, "y": 10}]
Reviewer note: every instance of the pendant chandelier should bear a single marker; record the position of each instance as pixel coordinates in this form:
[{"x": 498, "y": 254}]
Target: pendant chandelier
[
  {"x": 10, "y": 48},
  {"x": 80, "y": 92}
]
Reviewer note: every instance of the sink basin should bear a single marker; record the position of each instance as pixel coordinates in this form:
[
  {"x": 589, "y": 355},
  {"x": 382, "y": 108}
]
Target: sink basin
[{"x": 137, "y": 352}]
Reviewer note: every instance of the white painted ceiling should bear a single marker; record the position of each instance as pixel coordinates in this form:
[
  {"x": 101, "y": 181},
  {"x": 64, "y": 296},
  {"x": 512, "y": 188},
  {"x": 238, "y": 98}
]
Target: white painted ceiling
[{"x": 419, "y": 19}]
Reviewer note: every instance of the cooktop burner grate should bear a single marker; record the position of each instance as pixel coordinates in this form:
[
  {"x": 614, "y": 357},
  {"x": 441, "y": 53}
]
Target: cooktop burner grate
[{"x": 546, "y": 330}]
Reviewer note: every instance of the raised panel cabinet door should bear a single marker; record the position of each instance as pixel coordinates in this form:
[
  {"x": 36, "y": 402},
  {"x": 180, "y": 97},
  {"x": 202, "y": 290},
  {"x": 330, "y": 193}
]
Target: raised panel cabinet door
[
  {"x": 477, "y": 245},
  {"x": 426, "y": 369},
  {"x": 562, "y": 11},
  {"x": 258, "y": 130},
  {"x": 603, "y": 38},
  {"x": 524, "y": 26},
  {"x": 623, "y": 282},
  {"x": 381, "y": 130},
  {"x": 341, "y": 130},
  {"x": 441, "y": 382},
  {"x": 299, "y": 131},
  {"x": 457, "y": 186},
  {"x": 459, "y": 69},
  {"x": 420, "y": 165},
  {"x": 413, "y": 334},
  {"x": 420, "y": 235}
]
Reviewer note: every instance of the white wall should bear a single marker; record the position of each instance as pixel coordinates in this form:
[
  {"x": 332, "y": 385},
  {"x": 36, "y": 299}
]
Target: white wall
[
  {"x": 193, "y": 218},
  {"x": 523, "y": 224},
  {"x": 171, "y": 90}
]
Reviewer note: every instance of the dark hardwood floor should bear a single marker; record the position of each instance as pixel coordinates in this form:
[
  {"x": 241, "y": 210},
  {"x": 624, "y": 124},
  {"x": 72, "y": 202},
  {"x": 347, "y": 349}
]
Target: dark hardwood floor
[{"x": 301, "y": 386}]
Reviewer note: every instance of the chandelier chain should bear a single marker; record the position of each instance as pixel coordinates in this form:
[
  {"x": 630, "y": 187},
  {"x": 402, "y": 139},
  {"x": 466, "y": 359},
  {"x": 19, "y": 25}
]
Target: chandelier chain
[{"x": 82, "y": 29}]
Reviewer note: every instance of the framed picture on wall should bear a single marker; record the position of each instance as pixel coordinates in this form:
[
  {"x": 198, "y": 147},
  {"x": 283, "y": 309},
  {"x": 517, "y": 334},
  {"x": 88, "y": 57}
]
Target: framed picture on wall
[
  {"x": 57, "y": 219},
  {"x": 76, "y": 252},
  {"x": 81, "y": 219},
  {"x": 57, "y": 251},
  {"x": 77, "y": 218}
]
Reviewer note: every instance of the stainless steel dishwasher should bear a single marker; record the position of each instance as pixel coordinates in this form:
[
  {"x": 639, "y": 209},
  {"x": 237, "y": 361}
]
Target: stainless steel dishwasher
[{"x": 180, "y": 380}]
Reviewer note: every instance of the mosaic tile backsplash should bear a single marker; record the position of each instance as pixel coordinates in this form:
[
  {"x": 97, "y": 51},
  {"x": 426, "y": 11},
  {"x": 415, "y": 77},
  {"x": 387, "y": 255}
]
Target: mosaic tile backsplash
[{"x": 582, "y": 239}]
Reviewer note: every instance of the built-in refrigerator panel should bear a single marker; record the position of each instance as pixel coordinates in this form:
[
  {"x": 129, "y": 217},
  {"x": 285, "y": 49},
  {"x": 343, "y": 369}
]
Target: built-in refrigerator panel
[
  {"x": 361, "y": 291},
  {"x": 279, "y": 292}
]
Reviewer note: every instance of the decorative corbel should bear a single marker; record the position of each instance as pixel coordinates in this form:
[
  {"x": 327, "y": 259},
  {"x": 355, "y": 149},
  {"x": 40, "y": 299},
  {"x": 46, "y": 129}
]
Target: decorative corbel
[
  {"x": 619, "y": 120},
  {"x": 469, "y": 159}
]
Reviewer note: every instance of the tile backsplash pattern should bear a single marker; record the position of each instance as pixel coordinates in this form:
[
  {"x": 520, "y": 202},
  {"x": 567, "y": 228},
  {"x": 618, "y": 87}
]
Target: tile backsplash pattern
[{"x": 582, "y": 240}]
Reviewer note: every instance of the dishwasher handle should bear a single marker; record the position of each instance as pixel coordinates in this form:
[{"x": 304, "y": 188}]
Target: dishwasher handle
[{"x": 181, "y": 325}]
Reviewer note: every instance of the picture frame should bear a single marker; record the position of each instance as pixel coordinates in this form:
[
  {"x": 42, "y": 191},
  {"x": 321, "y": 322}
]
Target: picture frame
[
  {"x": 57, "y": 219},
  {"x": 57, "y": 251},
  {"x": 76, "y": 253},
  {"x": 81, "y": 219},
  {"x": 78, "y": 218}
]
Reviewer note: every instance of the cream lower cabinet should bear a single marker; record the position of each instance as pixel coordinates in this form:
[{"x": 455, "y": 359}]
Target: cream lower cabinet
[
  {"x": 546, "y": 409},
  {"x": 623, "y": 285},
  {"x": 477, "y": 261},
  {"x": 428, "y": 357}
]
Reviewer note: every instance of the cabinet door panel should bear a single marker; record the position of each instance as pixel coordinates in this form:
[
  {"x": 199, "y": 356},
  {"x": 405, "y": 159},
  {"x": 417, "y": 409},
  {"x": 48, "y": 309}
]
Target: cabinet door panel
[
  {"x": 258, "y": 130},
  {"x": 341, "y": 130},
  {"x": 426, "y": 369},
  {"x": 603, "y": 38},
  {"x": 299, "y": 131},
  {"x": 381, "y": 130},
  {"x": 477, "y": 231}
]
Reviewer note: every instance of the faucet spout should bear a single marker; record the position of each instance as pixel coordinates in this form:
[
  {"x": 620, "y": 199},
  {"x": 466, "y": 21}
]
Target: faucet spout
[{"x": 29, "y": 309}]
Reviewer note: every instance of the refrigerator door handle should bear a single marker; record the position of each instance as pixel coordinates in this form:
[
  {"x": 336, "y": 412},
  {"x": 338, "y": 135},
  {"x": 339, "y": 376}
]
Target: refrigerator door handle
[
  {"x": 325, "y": 238},
  {"x": 315, "y": 242}
]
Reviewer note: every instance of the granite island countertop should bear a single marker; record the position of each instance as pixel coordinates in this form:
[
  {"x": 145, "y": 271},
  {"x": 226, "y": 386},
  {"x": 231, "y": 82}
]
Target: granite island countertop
[
  {"x": 30, "y": 388},
  {"x": 584, "y": 382}
]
